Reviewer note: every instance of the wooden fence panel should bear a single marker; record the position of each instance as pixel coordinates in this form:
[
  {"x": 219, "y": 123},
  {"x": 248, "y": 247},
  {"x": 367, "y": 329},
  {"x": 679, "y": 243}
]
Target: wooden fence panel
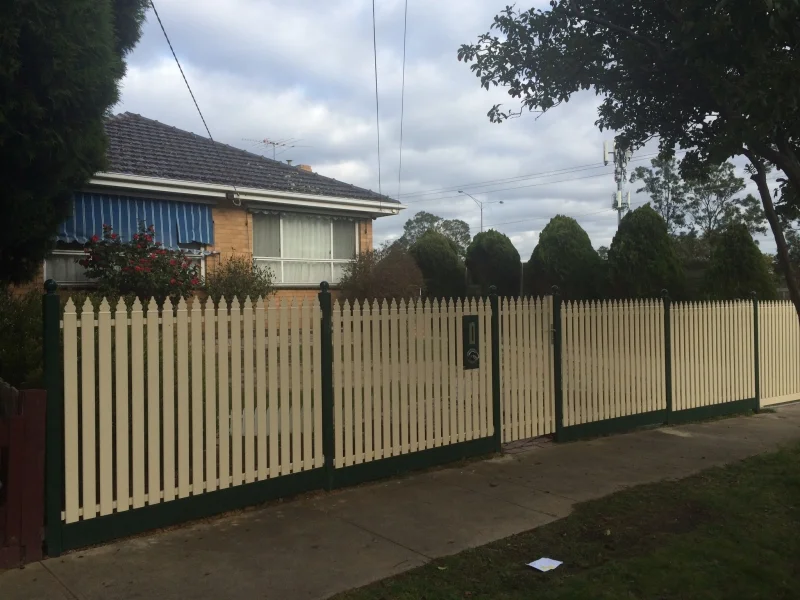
[
  {"x": 526, "y": 366},
  {"x": 613, "y": 360},
  {"x": 779, "y": 345},
  {"x": 173, "y": 403}
]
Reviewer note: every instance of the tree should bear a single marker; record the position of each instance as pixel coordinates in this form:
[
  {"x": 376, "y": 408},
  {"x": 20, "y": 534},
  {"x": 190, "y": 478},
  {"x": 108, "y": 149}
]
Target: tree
[
  {"x": 662, "y": 182},
  {"x": 641, "y": 260},
  {"x": 738, "y": 267},
  {"x": 442, "y": 269},
  {"x": 717, "y": 79},
  {"x": 455, "y": 230},
  {"x": 59, "y": 76},
  {"x": 602, "y": 252},
  {"x": 389, "y": 273},
  {"x": 714, "y": 202},
  {"x": 564, "y": 257},
  {"x": 493, "y": 260},
  {"x": 694, "y": 255}
]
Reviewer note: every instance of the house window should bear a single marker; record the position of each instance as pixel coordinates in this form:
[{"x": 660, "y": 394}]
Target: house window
[
  {"x": 304, "y": 249},
  {"x": 62, "y": 266}
]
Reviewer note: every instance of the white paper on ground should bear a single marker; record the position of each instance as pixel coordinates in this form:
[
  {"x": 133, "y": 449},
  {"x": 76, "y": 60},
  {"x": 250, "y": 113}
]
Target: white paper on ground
[{"x": 545, "y": 564}]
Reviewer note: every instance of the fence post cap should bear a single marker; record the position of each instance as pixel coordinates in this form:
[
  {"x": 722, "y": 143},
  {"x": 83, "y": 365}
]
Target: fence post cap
[
  {"x": 324, "y": 286},
  {"x": 493, "y": 290},
  {"x": 556, "y": 290},
  {"x": 50, "y": 286},
  {"x": 665, "y": 293},
  {"x": 753, "y": 295}
]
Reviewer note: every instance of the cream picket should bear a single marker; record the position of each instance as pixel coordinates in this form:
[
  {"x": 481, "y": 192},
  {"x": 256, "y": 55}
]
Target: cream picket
[
  {"x": 413, "y": 392},
  {"x": 204, "y": 382},
  {"x": 779, "y": 346},
  {"x": 613, "y": 359},
  {"x": 712, "y": 359},
  {"x": 526, "y": 367}
]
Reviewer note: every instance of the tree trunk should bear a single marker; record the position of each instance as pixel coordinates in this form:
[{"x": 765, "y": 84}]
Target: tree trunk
[{"x": 760, "y": 177}]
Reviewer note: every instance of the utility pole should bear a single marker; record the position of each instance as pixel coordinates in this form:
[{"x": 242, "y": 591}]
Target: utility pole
[
  {"x": 622, "y": 200},
  {"x": 478, "y": 202}
]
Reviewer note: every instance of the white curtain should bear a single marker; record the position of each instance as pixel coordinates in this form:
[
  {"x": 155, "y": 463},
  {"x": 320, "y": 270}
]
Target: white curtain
[{"x": 306, "y": 237}]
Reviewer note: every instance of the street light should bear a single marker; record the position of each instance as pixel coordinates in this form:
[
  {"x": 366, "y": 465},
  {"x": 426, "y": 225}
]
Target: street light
[{"x": 479, "y": 203}]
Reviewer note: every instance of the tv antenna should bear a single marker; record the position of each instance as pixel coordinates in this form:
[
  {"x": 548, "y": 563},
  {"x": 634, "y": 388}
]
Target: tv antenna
[
  {"x": 622, "y": 200},
  {"x": 279, "y": 146}
]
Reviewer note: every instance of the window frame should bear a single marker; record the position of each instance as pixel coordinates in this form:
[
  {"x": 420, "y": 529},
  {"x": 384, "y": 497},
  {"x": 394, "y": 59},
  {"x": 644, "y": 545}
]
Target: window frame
[
  {"x": 329, "y": 261},
  {"x": 201, "y": 258}
]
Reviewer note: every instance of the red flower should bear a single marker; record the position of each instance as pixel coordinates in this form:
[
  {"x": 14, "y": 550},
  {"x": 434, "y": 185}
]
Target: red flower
[
  {"x": 135, "y": 236},
  {"x": 158, "y": 243},
  {"x": 173, "y": 262},
  {"x": 195, "y": 281},
  {"x": 137, "y": 268},
  {"x": 149, "y": 238},
  {"x": 172, "y": 281},
  {"x": 114, "y": 236},
  {"x": 95, "y": 238}
]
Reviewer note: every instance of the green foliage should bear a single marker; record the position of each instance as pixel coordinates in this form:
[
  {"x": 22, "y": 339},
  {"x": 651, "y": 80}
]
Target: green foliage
[
  {"x": 716, "y": 79},
  {"x": 238, "y": 277},
  {"x": 21, "y": 338},
  {"x": 714, "y": 202},
  {"x": 564, "y": 257},
  {"x": 493, "y": 260},
  {"x": 387, "y": 274},
  {"x": 442, "y": 269},
  {"x": 139, "y": 267},
  {"x": 694, "y": 254},
  {"x": 455, "y": 230},
  {"x": 59, "y": 75},
  {"x": 667, "y": 191},
  {"x": 642, "y": 260},
  {"x": 738, "y": 267}
]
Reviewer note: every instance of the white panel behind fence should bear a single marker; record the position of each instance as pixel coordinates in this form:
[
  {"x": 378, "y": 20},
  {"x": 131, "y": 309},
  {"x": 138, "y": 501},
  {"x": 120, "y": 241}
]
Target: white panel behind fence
[
  {"x": 613, "y": 359},
  {"x": 712, "y": 353},
  {"x": 399, "y": 383},
  {"x": 779, "y": 352},
  {"x": 526, "y": 367},
  {"x": 160, "y": 404}
]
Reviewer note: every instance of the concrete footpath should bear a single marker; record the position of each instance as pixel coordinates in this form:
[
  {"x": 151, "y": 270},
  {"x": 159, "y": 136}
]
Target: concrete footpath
[{"x": 316, "y": 546}]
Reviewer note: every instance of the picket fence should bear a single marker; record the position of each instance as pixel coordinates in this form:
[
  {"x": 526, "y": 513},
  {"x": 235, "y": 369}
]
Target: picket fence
[{"x": 181, "y": 411}]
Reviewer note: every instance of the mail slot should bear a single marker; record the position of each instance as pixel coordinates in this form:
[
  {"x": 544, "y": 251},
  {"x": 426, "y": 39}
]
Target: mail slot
[{"x": 470, "y": 333}]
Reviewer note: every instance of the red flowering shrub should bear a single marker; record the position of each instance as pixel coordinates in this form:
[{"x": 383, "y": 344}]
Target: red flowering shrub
[{"x": 140, "y": 267}]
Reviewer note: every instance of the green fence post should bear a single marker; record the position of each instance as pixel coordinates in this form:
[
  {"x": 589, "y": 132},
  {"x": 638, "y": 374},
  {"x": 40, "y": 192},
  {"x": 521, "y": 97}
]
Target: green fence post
[
  {"x": 756, "y": 358},
  {"x": 54, "y": 445},
  {"x": 326, "y": 356},
  {"x": 497, "y": 414},
  {"x": 557, "y": 376},
  {"x": 668, "y": 351}
]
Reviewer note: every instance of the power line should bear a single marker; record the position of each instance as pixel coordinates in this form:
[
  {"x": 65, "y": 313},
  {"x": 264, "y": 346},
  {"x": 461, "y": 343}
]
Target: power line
[
  {"x": 377, "y": 104},
  {"x": 519, "y": 187},
  {"x": 517, "y": 178},
  {"x": 402, "y": 99},
  {"x": 188, "y": 87}
]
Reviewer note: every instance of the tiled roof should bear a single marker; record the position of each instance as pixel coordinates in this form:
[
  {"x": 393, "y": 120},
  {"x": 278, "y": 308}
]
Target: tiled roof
[{"x": 141, "y": 146}]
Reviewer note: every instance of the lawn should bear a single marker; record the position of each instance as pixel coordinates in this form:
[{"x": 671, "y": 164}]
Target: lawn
[{"x": 727, "y": 533}]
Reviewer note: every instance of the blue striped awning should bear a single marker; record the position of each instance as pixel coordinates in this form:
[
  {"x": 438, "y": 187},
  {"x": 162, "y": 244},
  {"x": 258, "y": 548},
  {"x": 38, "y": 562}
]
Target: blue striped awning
[{"x": 175, "y": 222}]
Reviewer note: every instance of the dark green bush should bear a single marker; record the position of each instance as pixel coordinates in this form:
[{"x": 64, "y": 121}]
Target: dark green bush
[
  {"x": 442, "y": 269},
  {"x": 738, "y": 267},
  {"x": 21, "y": 338},
  {"x": 238, "y": 277},
  {"x": 564, "y": 257},
  {"x": 493, "y": 260},
  {"x": 386, "y": 274}
]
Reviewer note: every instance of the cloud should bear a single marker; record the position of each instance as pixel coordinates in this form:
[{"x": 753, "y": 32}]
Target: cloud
[{"x": 304, "y": 70}]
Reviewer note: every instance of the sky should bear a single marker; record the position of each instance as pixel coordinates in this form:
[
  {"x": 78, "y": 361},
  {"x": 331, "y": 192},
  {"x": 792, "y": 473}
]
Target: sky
[{"x": 304, "y": 70}]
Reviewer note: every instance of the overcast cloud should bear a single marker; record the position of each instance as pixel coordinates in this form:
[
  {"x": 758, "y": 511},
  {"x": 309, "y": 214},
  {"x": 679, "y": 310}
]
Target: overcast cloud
[{"x": 304, "y": 69}]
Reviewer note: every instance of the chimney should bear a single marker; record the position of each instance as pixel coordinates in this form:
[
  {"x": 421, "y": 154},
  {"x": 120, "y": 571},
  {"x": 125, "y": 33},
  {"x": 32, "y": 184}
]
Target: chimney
[{"x": 305, "y": 168}]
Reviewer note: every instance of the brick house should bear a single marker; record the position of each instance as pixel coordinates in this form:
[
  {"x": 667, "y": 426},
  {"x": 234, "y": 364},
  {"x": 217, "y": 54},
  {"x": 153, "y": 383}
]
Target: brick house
[{"x": 214, "y": 201}]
